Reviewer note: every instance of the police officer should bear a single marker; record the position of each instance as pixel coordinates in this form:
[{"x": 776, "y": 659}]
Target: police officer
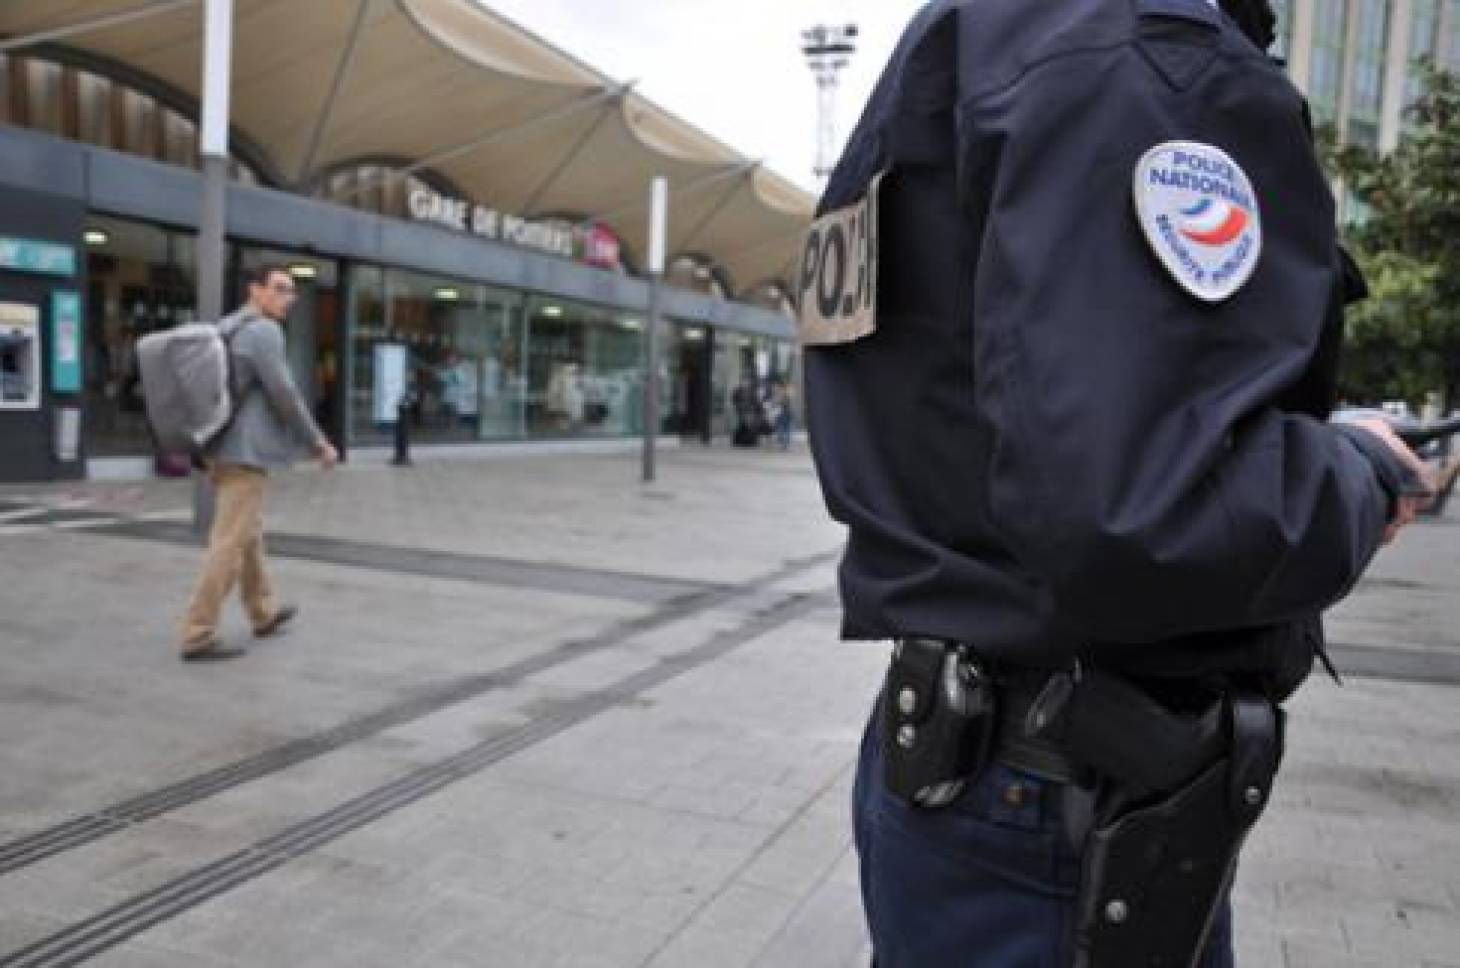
[{"x": 1071, "y": 308}]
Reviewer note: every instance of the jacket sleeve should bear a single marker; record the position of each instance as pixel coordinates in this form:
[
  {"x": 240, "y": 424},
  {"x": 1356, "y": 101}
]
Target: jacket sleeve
[
  {"x": 265, "y": 348},
  {"x": 1152, "y": 512},
  {"x": 1139, "y": 465}
]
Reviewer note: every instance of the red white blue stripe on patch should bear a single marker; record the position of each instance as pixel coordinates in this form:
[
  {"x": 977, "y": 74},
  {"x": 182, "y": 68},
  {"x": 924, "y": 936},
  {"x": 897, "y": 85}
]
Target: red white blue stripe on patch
[
  {"x": 1214, "y": 223},
  {"x": 1199, "y": 213}
]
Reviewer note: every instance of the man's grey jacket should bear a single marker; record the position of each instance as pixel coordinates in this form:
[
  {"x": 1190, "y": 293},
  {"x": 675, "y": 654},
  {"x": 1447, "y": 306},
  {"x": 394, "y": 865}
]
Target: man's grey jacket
[{"x": 273, "y": 424}]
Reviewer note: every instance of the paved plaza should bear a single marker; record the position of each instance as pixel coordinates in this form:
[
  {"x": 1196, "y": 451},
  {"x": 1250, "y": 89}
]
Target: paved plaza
[{"x": 535, "y": 713}]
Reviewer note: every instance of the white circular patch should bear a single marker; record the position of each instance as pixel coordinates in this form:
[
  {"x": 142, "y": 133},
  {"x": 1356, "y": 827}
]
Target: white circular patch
[{"x": 1199, "y": 212}]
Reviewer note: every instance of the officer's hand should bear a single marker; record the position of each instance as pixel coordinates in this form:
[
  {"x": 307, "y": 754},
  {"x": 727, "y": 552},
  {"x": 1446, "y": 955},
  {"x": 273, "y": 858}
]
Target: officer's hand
[
  {"x": 1409, "y": 504},
  {"x": 328, "y": 456}
]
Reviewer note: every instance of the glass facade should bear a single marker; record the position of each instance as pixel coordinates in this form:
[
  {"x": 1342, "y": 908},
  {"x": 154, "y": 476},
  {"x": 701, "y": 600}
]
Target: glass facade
[
  {"x": 1283, "y": 10},
  {"x": 368, "y": 345},
  {"x": 1347, "y": 63},
  {"x": 1371, "y": 37},
  {"x": 584, "y": 374},
  {"x": 685, "y": 380},
  {"x": 753, "y": 365},
  {"x": 452, "y": 351},
  {"x": 1325, "y": 81},
  {"x": 1448, "y": 52},
  {"x": 468, "y": 362},
  {"x": 1424, "y": 28},
  {"x": 140, "y": 279},
  {"x": 472, "y": 362}
]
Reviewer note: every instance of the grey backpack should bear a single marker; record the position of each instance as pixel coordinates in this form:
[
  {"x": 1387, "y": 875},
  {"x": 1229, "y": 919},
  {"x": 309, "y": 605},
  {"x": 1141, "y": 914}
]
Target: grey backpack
[{"x": 187, "y": 384}]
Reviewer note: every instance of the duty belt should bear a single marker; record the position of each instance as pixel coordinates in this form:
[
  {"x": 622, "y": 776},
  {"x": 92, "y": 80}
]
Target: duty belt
[
  {"x": 1033, "y": 753},
  {"x": 1176, "y": 796},
  {"x": 947, "y": 712},
  {"x": 1106, "y": 727}
]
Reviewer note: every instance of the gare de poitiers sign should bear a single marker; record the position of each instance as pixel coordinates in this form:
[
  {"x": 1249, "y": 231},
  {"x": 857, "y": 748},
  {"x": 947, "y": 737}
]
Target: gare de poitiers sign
[{"x": 593, "y": 244}]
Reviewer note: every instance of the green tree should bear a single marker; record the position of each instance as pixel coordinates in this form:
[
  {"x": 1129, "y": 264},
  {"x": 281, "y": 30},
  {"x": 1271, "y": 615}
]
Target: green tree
[
  {"x": 1405, "y": 339},
  {"x": 1391, "y": 349}
]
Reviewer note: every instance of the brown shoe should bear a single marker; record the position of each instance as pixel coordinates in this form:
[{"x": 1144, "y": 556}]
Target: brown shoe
[
  {"x": 281, "y": 617},
  {"x": 211, "y": 650}
]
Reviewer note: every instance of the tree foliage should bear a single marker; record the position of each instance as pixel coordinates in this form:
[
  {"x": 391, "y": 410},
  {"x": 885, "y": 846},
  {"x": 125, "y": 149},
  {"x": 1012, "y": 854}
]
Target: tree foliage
[{"x": 1405, "y": 339}]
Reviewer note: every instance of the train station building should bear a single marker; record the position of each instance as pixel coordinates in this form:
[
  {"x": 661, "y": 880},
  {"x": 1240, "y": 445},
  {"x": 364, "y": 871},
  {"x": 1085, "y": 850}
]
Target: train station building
[{"x": 463, "y": 206}]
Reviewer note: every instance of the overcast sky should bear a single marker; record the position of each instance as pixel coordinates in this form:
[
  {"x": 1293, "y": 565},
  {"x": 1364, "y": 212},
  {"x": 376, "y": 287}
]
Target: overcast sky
[{"x": 731, "y": 67}]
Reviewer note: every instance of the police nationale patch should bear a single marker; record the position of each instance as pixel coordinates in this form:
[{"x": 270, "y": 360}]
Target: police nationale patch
[{"x": 1199, "y": 212}]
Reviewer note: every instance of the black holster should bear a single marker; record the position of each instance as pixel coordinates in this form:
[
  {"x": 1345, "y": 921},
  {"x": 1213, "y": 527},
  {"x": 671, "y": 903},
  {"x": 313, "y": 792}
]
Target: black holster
[{"x": 1159, "y": 860}]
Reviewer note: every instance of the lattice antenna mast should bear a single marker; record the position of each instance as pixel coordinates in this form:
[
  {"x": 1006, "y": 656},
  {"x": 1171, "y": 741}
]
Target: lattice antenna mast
[{"x": 828, "y": 50}]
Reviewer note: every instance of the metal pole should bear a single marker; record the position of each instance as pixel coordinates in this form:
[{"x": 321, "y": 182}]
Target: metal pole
[
  {"x": 213, "y": 152},
  {"x": 658, "y": 219}
]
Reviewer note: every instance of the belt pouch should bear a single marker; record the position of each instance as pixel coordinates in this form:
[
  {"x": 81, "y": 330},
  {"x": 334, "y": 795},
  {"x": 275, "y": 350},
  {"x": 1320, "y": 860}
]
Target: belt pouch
[{"x": 938, "y": 721}]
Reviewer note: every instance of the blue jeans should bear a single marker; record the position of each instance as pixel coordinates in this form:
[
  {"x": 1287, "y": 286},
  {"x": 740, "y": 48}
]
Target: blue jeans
[
  {"x": 783, "y": 429},
  {"x": 986, "y": 882}
]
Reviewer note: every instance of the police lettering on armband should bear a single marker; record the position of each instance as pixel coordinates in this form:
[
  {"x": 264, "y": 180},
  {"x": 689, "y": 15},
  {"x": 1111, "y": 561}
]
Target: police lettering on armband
[{"x": 837, "y": 279}]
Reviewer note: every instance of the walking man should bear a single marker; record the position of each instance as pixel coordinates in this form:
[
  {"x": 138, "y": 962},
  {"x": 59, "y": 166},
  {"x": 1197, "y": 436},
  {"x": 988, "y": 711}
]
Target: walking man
[{"x": 271, "y": 426}]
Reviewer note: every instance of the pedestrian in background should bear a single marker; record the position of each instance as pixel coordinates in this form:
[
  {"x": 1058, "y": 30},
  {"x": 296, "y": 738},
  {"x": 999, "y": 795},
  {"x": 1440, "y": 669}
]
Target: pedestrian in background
[
  {"x": 749, "y": 414},
  {"x": 271, "y": 426},
  {"x": 783, "y": 415}
]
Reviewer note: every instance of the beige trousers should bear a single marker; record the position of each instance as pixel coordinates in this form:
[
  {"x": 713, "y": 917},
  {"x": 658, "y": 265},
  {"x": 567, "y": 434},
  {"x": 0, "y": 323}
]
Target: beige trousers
[{"x": 235, "y": 555}]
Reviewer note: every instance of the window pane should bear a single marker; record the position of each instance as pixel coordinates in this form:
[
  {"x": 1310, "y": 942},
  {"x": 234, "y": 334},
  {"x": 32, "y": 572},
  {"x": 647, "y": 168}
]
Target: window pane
[
  {"x": 583, "y": 370},
  {"x": 140, "y": 280},
  {"x": 450, "y": 349}
]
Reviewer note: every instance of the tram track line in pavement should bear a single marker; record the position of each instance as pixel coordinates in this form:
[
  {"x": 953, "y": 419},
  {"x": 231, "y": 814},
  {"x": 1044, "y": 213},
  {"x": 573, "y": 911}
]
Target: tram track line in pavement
[
  {"x": 94, "y": 935},
  {"x": 397, "y": 559},
  {"x": 89, "y": 827},
  {"x": 22, "y": 516}
]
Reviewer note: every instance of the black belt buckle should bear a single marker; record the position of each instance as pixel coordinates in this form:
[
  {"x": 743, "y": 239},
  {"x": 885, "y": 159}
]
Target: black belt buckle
[{"x": 938, "y": 720}]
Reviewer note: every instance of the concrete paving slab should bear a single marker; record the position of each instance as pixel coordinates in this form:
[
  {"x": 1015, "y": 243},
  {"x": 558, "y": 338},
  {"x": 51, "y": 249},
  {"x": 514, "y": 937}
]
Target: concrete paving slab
[
  {"x": 84, "y": 729},
  {"x": 703, "y": 821},
  {"x": 151, "y": 956}
]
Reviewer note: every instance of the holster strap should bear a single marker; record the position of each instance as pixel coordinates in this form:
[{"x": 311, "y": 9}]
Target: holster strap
[{"x": 1110, "y": 726}]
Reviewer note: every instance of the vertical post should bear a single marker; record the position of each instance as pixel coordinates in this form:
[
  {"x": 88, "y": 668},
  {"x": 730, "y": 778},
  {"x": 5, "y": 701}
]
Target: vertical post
[
  {"x": 1397, "y": 59},
  {"x": 213, "y": 153},
  {"x": 348, "y": 325},
  {"x": 1300, "y": 43},
  {"x": 658, "y": 217}
]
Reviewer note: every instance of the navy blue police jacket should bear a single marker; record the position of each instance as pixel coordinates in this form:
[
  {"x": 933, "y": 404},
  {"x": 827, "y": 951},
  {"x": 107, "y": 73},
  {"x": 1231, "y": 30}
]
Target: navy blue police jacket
[{"x": 1049, "y": 448}]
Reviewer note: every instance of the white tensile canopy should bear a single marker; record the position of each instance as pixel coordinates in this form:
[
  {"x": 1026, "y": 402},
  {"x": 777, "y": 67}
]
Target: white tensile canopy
[{"x": 450, "y": 87}]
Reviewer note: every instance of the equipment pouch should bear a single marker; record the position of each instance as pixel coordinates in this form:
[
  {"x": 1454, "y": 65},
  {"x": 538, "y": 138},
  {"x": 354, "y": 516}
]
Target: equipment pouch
[
  {"x": 1155, "y": 873},
  {"x": 938, "y": 721}
]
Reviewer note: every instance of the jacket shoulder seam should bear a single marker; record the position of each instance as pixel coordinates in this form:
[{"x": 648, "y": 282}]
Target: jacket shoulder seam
[{"x": 971, "y": 100}]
